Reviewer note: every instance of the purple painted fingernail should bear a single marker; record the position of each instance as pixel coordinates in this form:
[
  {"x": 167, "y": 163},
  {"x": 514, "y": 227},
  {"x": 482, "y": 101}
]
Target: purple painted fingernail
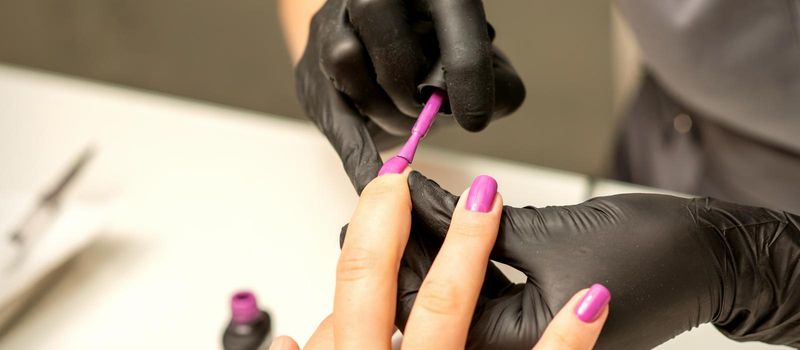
[
  {"x": 481, "y": 194},
  {"x": 593, "y": 303},
  {"x": 394, "y": 165}
]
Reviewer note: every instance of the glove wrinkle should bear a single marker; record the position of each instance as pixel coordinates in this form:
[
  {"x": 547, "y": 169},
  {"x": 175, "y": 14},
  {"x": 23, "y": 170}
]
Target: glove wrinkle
[{"x": 762, "y": 268}]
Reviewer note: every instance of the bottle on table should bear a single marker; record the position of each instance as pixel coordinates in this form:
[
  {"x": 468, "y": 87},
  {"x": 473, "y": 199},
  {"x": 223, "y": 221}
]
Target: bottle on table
[{"x": 249, "y": 328}]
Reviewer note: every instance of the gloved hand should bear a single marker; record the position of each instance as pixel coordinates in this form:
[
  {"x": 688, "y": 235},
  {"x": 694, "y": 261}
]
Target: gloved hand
[
  {"x": 670, "y": 264},
  {"x": 358, "y": 77}
]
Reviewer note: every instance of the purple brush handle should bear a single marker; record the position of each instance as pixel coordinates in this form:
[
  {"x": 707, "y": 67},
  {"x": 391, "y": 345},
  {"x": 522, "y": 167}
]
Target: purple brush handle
[{"x": 423, "y": 124}]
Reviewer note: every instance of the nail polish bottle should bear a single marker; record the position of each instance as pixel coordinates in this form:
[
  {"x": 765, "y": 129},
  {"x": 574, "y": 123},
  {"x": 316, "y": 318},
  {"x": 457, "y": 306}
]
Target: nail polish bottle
[{"x": 249, "y": 328}]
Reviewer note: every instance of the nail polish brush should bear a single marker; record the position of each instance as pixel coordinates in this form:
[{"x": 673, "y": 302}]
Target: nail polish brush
[{"x": 405, "y": 157}]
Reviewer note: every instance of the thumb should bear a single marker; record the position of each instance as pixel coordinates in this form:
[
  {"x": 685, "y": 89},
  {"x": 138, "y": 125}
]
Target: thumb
[
  {"x": 578, "y": 324},
  {"x": 284, "y": 343}
]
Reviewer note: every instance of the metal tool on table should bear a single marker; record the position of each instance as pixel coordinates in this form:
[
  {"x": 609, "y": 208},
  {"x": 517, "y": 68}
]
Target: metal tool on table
[{"x": 18, "y": 242}]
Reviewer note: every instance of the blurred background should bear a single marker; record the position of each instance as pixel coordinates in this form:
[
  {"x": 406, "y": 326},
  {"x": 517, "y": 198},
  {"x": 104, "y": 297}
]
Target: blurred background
[
  {"x": 570, "y": 54},
  {"x": 183, "y": 205}
]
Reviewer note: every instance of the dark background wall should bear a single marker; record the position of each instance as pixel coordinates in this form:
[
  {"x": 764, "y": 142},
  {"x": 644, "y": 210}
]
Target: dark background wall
[{"x": 231, "y": 52}]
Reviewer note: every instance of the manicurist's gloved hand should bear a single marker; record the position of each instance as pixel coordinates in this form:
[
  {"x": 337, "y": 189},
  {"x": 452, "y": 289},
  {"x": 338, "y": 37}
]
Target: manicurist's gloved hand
[
  {"x": 359, "y": 74},
  {"x": 367, "y": 278},
  {"x": 670, "y": 263}
]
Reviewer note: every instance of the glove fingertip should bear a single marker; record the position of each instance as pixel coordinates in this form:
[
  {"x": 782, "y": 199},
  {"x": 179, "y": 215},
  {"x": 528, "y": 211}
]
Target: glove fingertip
[
  {"x": 366, "y": 173},
  {"x": 432, "y": 204},
  {"x": 473, "y": 122}
]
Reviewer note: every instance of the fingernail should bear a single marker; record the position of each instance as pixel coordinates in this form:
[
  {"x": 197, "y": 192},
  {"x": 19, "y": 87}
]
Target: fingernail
[
  {"x": 279, "y": 343},
  {"x": 394, "y": 165},
  {"x": 593, "y": 303},
  {"x": 481, "y": 194}
]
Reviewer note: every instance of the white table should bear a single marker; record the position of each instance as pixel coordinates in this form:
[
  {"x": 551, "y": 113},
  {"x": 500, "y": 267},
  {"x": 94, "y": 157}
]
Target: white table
[{"x": 208, "y": 199}]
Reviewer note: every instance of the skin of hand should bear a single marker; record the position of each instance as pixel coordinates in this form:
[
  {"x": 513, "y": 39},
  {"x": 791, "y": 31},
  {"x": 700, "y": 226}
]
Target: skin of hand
[
  {"x": 359, "y": 75},
  {"x": 367, "y": 278}
]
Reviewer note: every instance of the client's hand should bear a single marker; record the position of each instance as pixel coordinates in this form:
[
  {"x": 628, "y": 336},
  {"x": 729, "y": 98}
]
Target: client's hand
[{"x": 367, "y": 278}]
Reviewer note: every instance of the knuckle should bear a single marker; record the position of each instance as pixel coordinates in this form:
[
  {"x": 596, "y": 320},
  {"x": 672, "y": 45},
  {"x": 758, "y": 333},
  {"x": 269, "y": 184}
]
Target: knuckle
[
  {"x": 358, "y": 7},
  {"x": 341, "y": 53},
  {"x": 439, "y": 297},
  {"x": 562, "y": 340},
  {"x": 470, "y": 227},
  {"x": 383, "y": 188},
  {"x": 356, "y": 265}
]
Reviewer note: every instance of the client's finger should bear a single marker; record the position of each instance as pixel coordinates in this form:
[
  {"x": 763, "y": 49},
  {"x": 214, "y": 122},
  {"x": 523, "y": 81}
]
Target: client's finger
[
  {"x": 284, "y": 343},
  {"x": 446, "y": 300},
  {"x": 578, "y": 324},
  {"x": 366, "y": 276},
  {"x": 322, "y": 339}
]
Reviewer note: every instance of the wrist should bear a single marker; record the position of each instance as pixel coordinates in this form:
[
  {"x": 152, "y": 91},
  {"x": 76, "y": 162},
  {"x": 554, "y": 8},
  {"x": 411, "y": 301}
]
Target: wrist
[{"x": 757, "y": 259}]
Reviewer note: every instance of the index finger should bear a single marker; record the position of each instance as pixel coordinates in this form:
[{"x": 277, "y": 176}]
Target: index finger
[
  {"x": 446, "y": 300},
  {"x": 366, "y": 275},
  {"x": 466, "y": 52}
]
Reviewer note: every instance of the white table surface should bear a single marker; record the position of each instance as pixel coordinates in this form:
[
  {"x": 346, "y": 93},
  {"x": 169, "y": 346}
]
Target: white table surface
[{"x": 208, "y": 199}]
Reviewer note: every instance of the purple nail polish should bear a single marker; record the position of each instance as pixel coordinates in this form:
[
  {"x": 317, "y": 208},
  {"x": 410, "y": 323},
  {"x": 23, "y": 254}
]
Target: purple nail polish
[
  {"x": 394, "y": 165},
  {"x": 398, "y": 163},
  {"x": 481, "y": 194},
  {"x": 244, "y": 308},
  {"x": 423, "y": 124},
  {"x": 593, "y": 303}
]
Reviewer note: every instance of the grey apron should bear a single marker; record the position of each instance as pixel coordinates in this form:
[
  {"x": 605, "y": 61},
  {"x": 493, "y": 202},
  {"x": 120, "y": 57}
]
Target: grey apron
[
  {"x": 719, "y": 111},
  {"x": 665, "y": 145}
]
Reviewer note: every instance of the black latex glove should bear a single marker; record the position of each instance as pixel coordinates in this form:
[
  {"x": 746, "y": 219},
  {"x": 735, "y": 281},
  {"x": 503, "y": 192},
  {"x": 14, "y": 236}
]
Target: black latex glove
[
  {"x": 359, "y": 75},
  {"x": 670, "y": 263}
]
